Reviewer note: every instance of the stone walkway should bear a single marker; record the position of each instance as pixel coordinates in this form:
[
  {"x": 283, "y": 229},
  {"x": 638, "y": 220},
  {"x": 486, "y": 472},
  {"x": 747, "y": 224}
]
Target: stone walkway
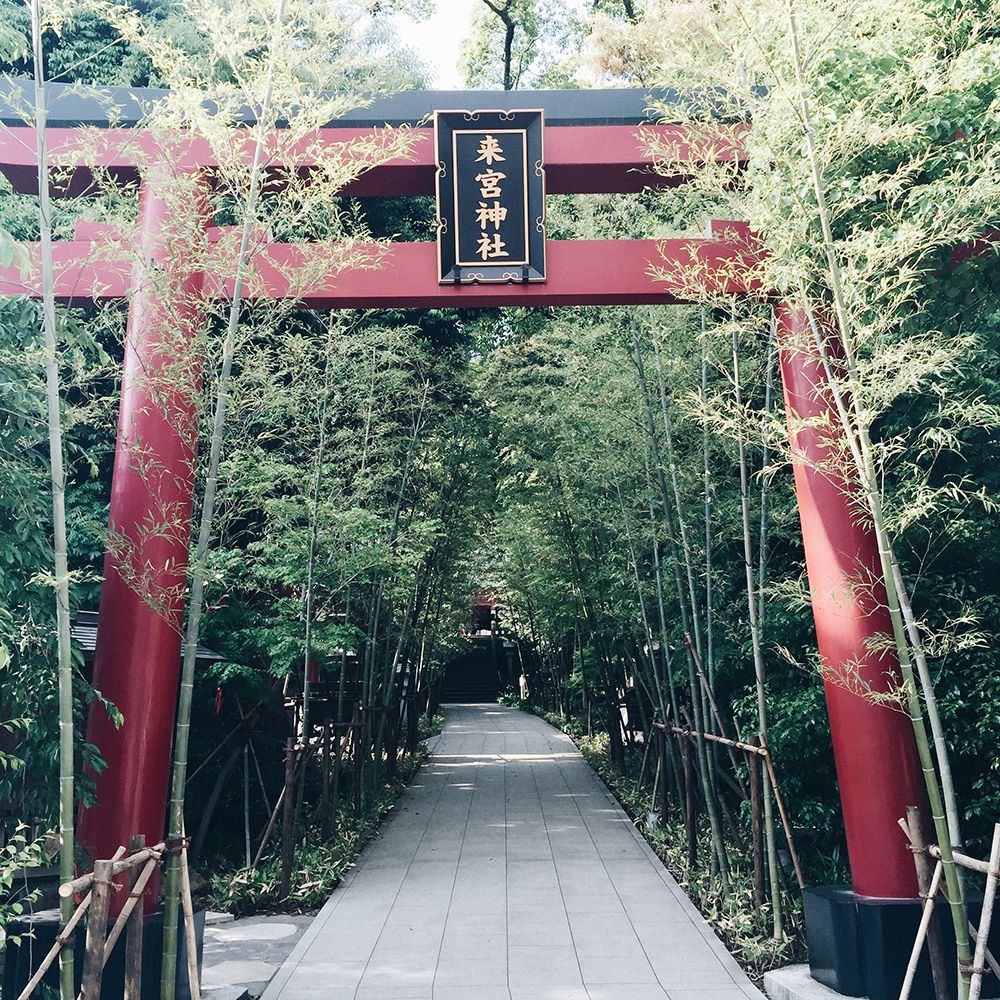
[{"x": 508, "y": 871}]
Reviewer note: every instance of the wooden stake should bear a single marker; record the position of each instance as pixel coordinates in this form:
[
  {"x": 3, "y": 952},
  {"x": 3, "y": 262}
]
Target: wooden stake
[
  {"x": 288, "y": 821},
  {"x": 133, "y": 941},
  {"x": 190, "y": 938},
  {"x": 757, "y": 827},
  {"x": 97, "y": 927},
  {"x": 138, "y": 881},
  {"x": 324, "y": 792},
  {"x": 986, "y": 917},
  {"x": 925, "y": 919},
  {"x": 916, "y": 830},
  {"x": 690, "y": 815},
  {"x": 64, "y": 937}
]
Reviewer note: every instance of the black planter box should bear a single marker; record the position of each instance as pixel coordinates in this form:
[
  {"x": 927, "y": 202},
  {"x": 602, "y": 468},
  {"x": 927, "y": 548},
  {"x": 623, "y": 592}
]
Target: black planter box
[
  {"x": 21, "y": 961},
  {"x": 860, "y": 945}
]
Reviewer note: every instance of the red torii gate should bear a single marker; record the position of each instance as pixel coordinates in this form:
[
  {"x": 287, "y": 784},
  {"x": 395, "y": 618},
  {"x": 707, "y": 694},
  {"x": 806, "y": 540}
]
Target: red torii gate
[{"x": 591, "y": 147}]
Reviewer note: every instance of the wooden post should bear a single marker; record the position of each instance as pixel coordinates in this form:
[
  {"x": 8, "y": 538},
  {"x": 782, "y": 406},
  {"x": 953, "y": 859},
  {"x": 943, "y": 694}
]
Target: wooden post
[
  {"x": 757, "y": 826},
  {"x": 97, "y": 928},
  {"x": 324, "y": 792},
  {"x": 915, "y": 828},
  {"x": 661, "y": 766},
  {"x": 338, "y": 750},
  {"x": 690, "y": 807},
  {"x": 288, "y": 820},
  {"x": 357, "y": 726},
  {"x": 412, "y": 732},
  {"x": 135, "y": 926}
]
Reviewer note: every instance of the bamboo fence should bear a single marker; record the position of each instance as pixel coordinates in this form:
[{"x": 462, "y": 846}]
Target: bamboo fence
[
  {"x": 94, "y": 892},
  {"x": 931, "y": 889},
  {"x": 753, "y": 751}
]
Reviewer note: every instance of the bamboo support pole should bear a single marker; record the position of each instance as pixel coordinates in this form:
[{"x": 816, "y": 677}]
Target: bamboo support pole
[
  {"x": 712, "y": 738},
  {"x": 133, "y": 941},
  {"x": 138, "y": 881},
  {"x": 118, "y": 865},
  {"x": 324, "y": 796},
  {"x": 266, "y": 835},
  {"x": 97, "y": 925},
  {"x": 190, "y": 938},
  {"x": 782, "y": 812},
  {"x": 925, "y": 920},
  {"x": 661, "y": 753},
  {"x": 757, "y": 824},
  {"x": 986, "y": 917},
  {"x": 990, "y": 960},
  {"x": 288, "y": 820},
  {"x": 963, "y": 860},
  {"x": 914, "y": 828},
  {"x": 62, "y": 939}
]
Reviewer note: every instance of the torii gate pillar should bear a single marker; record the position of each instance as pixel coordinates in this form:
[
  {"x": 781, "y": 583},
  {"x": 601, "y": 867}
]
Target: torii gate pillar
[
  {"x": 873, "y": 744},
  {"x": 137, "y": 662}
]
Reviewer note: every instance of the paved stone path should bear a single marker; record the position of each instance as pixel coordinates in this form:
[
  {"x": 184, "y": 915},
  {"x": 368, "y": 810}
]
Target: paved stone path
[{"x": 508, "y": 871}]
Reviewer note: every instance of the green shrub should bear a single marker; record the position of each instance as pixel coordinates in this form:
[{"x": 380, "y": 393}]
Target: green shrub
[{"x": 317, "y": 866}]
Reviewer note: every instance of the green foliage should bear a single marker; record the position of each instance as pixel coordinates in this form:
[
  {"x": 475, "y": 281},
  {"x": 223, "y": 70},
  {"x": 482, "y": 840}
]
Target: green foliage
[
  {"x": 16, "y": 855},
  {"x": 318, "y": 866}
]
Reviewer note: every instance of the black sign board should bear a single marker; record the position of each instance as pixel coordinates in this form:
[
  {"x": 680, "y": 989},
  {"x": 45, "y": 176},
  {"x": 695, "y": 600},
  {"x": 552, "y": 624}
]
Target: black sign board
[{"x": 490, "y": 196}]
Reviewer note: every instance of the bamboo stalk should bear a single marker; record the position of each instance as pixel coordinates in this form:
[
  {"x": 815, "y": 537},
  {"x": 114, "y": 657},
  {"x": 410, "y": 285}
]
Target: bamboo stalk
[
  {"x": 288, "y": 820},
  {"x": 986, "y": 917},
  {"x": 57, "y": 475},
  {"x": 706, "y": 774},
  {"x": 714, "y": 706},
  {"x": 246, "y": 801},
  {"x": 690, "y": 814},
  {"x": 756, "y": 817},
  {"x": 755, "y": 641},
  {"x": 933, "y": 714},
  {"x": 324, "y": 798},
  {"x": 62, "y": 939},
  {"x": 925, "y": 920},
  {"x": 175, "y": 824}
]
